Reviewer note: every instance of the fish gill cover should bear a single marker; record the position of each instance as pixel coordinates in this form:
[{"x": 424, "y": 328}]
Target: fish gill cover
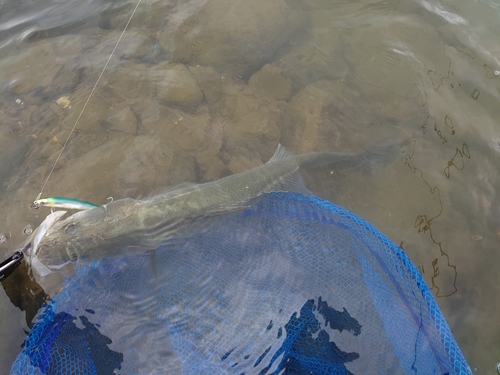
[{"x": 291, "y": 285}]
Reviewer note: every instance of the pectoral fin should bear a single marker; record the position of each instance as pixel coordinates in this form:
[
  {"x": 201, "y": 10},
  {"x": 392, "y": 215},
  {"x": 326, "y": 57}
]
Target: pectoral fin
[{"x": 292, "y": 183}]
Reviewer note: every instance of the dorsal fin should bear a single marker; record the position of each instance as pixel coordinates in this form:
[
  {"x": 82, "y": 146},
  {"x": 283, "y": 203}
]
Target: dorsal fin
[{"x": 280, "y": 153}]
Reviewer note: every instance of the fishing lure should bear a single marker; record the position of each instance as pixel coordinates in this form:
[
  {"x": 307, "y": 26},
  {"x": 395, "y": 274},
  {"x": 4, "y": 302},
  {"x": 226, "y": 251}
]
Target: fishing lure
[{"x": 67, "y": 203}]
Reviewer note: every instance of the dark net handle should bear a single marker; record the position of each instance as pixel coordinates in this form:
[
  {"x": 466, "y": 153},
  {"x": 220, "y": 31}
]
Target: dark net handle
[{"x": 10, "y": 264}]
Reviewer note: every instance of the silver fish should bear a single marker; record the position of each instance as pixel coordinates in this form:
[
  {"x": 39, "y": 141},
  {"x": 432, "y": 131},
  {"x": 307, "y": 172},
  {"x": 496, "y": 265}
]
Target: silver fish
[{"x": 128, "y": 226}]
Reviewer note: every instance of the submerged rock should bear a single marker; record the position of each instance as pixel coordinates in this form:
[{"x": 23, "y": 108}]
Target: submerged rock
[
  {"x": 130, "y": 81},
  {"x": 68, "y": 77},
  {"x": 320, "y": 55},
  {"x": 251, "y": 125},
  {"x": 150, "y": 15},
  {"x": 176, "y": 84},
  {"x": 35, "y": 67},
  {"x": 123, "y": 120},
  {"x": 237, "y": 37},
  {"x": 93, "y": 175},
  {"x": 270, "y": 83},
  {"x": 149, "y": 166},
  {"x": 170, "y": 83},
  {"x": 209, "y": 81},
  {"x": 12, "y": 152},
  {"x": 196, "y": 135},
  {"x": 92, "y": 119},
  {"x": 327, "y": 115},
  {"x": 68, "y": 45},
  {"x": 134, "y": 45},
  {"x": 308, "y": 63}
]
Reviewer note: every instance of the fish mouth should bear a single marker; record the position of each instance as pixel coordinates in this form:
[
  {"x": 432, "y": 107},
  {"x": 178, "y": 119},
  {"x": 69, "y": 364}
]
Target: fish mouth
[{"x": 35, "y": 239}]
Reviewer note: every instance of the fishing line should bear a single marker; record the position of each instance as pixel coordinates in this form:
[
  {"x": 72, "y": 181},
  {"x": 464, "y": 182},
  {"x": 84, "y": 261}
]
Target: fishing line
[{"x": 88, "y": 99}]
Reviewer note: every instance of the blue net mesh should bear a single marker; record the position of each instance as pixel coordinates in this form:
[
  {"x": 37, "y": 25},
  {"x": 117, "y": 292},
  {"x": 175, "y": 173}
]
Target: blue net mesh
[{"x": 291, "y": 285}]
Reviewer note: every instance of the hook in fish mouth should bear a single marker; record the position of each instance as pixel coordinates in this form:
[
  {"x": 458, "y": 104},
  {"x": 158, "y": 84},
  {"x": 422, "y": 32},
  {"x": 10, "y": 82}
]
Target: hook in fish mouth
[
  {"x": 32, "y": 243},
  {"x": 29, "y": 248}
]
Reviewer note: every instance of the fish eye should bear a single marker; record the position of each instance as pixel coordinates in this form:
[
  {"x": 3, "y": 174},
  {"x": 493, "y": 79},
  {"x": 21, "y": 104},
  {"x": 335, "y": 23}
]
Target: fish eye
[{"x": 71, "y": 228}]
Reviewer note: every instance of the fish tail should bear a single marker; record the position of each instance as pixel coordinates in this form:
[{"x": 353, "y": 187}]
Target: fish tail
[{"x": 377, "y": 156}]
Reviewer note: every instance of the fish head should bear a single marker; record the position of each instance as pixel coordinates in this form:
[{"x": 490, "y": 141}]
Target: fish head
[
  {"x": 101, "y": 232},
  {"x": 66, "y": 240}
]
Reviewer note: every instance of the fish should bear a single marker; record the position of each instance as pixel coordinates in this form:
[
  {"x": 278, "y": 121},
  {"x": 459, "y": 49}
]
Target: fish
[
  {"x": 67, "y": 203},
  {"x": 128, "y": 226}
]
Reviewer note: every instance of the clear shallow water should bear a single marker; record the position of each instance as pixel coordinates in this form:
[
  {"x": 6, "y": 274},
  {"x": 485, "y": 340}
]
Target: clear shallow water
[{"x": 178, "y": 105}]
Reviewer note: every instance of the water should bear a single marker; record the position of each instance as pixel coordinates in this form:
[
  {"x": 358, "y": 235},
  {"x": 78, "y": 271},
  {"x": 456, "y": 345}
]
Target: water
[{"x": 198, "y": 90}]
